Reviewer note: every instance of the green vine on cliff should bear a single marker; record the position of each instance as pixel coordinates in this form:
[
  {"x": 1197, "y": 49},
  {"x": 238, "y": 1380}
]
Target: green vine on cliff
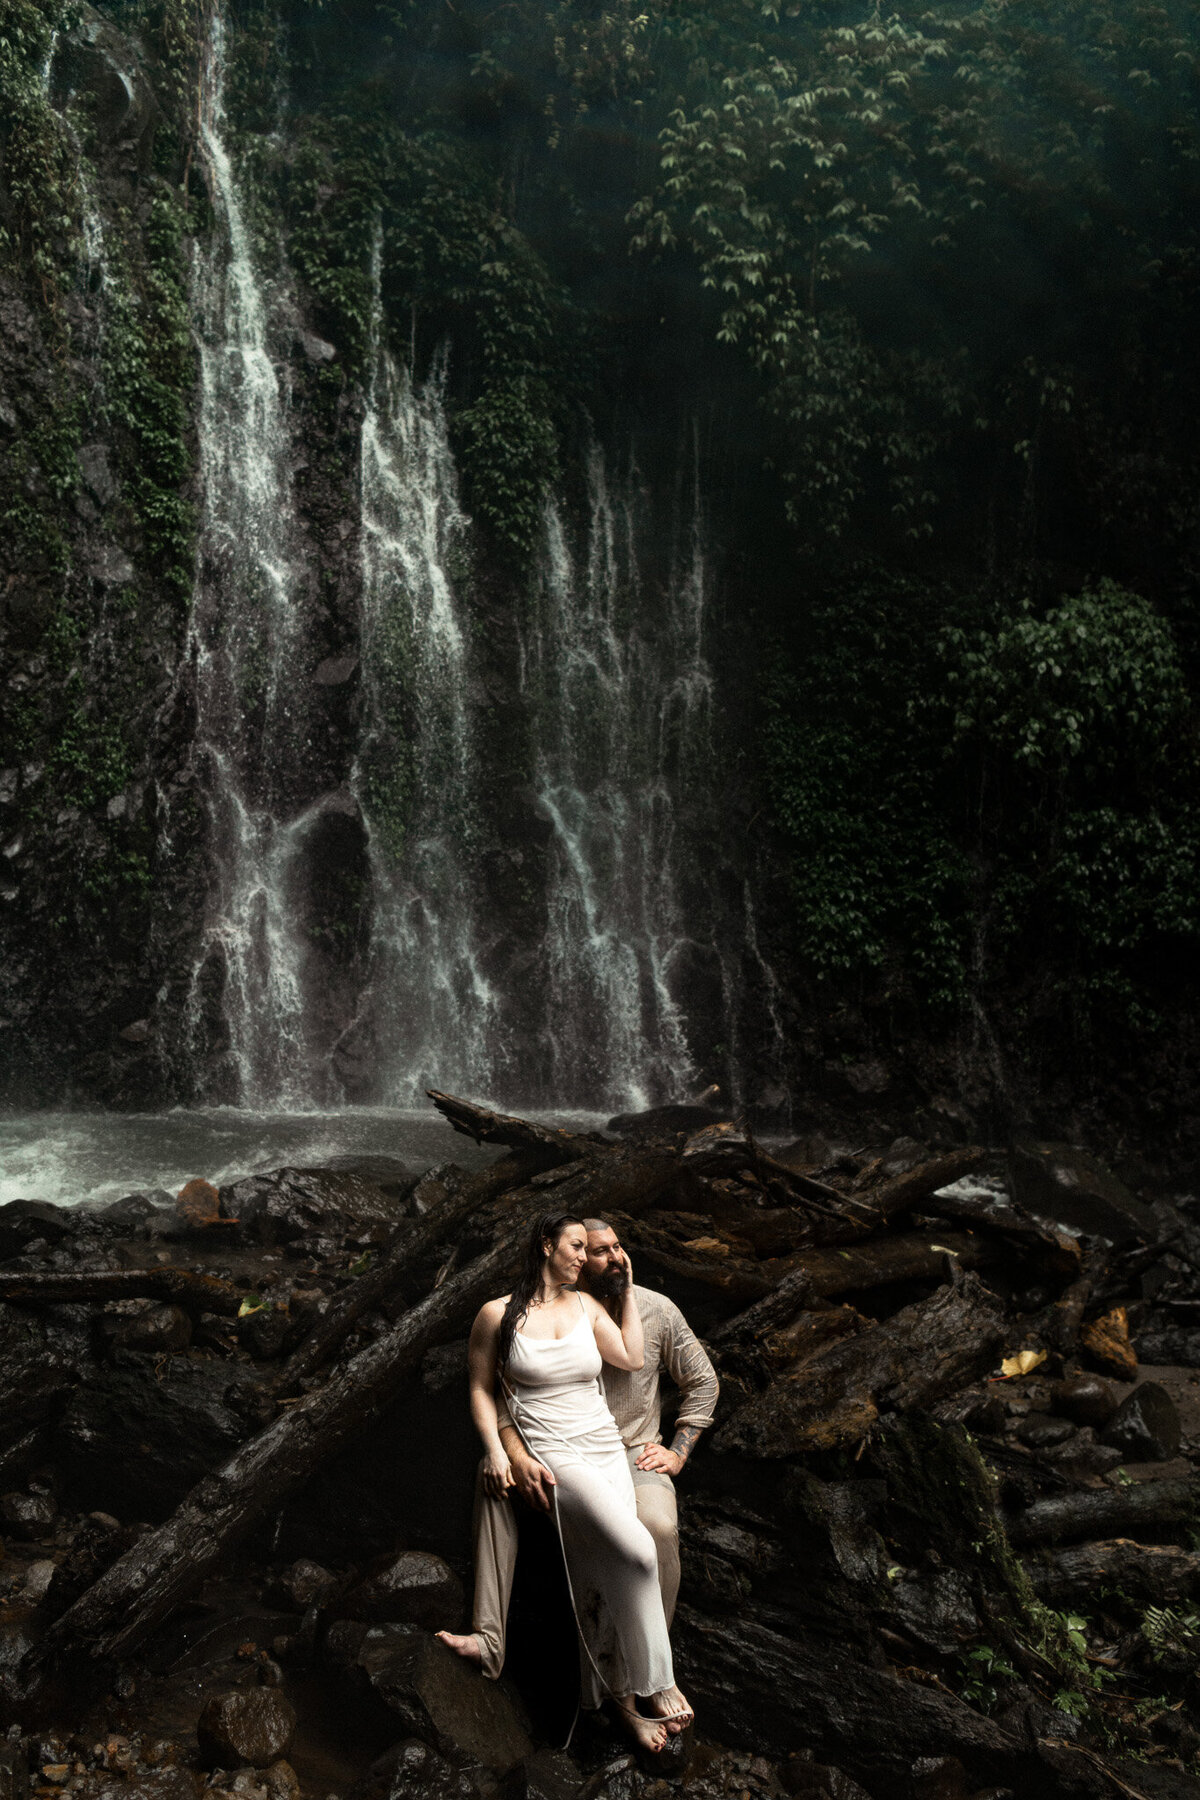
[
  {"x": 149, "y": 378},
  {"x": 39, "y": 161}
]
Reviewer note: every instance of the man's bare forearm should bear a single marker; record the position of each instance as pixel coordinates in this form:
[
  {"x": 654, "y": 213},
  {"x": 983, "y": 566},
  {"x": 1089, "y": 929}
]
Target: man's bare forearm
[
  {"x": 685, "y": 1440},
  {"x": 514, "y": 1447}
]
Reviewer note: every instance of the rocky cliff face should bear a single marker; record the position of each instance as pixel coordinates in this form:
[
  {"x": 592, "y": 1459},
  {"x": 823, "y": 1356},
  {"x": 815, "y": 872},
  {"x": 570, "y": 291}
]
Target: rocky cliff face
[{"x": 310, "y": 791}]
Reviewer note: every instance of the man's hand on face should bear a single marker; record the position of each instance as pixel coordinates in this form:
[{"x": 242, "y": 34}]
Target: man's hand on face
[
  {"x": 533, "y": 1480},
  {"x": 657, "y": 1457}
]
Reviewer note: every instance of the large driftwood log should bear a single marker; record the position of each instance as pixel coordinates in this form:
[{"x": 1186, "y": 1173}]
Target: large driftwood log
[
  {"x": 198, "y": 1293},
  {"x": 115, "y": 1615},
  {"x": 885, "y": 1204},
  {"x": 488, "y": 1127},
  {"x": 818, "y": 1274},
  {"x": 409, "y": 1244},
  {"x": 1104, "y": 1512},
  {"x": 1146, "y": 1574},
  {"x": 775, "y": 1693},
  {"x": 907, "y": 1361}
]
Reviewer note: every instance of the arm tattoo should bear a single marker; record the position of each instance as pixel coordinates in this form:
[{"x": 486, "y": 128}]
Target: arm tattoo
[{"x": 685, "y": 1441}]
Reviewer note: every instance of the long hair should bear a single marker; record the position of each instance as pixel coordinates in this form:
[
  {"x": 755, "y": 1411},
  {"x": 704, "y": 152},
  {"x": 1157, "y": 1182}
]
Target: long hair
[{"x": 548, "y": 1229}]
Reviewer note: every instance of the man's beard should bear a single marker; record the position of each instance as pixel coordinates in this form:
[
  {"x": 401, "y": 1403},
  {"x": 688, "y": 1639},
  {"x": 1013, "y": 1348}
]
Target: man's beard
[{"x": 609, "y": 1286}]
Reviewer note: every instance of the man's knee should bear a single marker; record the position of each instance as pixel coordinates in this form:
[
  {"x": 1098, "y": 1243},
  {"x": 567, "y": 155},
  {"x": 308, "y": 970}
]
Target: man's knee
[{"x": 656, "y": 1508}]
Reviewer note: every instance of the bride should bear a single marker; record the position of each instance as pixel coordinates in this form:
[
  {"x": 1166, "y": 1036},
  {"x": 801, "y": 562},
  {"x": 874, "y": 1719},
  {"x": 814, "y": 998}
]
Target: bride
[{"x": 545, "y": 1343}]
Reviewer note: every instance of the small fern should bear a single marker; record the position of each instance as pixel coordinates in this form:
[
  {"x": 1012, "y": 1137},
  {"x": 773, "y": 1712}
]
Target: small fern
[{"x": 1171, "y": 1634}]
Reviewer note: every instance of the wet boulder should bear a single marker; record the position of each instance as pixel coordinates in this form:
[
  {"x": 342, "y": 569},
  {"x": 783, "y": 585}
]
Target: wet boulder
[
  {"x": 305, "y": 1203},
  {"x": 28, "y": 1516},
  {"x": 307, "y": 1584},
  {"x": 414, "y": 1588},
  {"x": 154, "y": 1330},
  {"x": 138, "y": 1433},
  {"x": 412, "y": 1770},
  {"x": 1068, "y": 1187},
  {"x": 24, "y": 1222},
  {"x": 1145, "y": 1427},
  {"x": 662, "y": 1121},
  {"x": 132, "y": 1217},
  {"x": 1042, "y": 1431},
  {"x": 436, "y": 1695},
  {"x": 546, "y": 1775},
  {"x": 246, "y": 1725},
  {"x": 1085, "y": 1399}
]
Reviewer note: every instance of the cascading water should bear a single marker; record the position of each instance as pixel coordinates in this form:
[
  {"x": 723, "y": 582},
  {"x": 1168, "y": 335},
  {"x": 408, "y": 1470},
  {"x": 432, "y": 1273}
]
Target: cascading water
[
  {"x": 622, "y": 695},
  {"x": 246, "y": 646},
  {"x": 431, "y": 1014}
]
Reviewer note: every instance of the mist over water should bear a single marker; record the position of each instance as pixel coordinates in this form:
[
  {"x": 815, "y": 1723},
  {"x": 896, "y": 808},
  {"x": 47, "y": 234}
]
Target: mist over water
[{"x": 72, "y": 1157}]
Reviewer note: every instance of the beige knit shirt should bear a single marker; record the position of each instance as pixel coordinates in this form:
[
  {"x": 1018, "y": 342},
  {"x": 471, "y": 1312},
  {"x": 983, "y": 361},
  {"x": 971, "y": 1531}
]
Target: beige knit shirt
[{"x": 633, "y": 1394}]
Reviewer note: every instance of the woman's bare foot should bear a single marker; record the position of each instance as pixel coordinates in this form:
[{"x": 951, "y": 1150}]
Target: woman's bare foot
[
  {"x": 467, "y": 1647},
  {"x": 649, "y": 1734},
  {"x": 674, "y": 1711}
]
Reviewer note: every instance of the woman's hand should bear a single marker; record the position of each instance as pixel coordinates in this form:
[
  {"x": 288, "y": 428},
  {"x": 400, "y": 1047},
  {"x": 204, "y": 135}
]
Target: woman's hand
[
  {"x": 497, "y": 1474},
  {"x": 621, "y": 1256}
]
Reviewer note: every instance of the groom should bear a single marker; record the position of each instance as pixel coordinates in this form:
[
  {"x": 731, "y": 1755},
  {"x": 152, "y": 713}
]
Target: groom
[{"x": 634, "y": 1400}]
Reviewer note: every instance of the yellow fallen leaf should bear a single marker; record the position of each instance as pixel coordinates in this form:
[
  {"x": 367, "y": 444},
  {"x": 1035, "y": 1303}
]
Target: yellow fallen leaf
[{"x": 1021, "y": 1363}]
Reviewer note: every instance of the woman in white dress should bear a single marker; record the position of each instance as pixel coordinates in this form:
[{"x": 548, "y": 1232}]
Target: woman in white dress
[{"x": 546, "y": 1343}]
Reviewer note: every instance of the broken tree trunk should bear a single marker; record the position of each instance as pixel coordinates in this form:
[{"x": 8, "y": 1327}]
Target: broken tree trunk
[
  {"x": 115, "y": 1615},
  {"x": 488, "y": 1127},
  {"x": 778, "y": 1692},
  {"x": 410, "y": 1243},
  {"x": 1146, "y": 1505},
  {"x": 198, "y": 1293},
  {"x": 879, "y": 1206},
  {"x": 1144, "y": 1574},
  {"x": 819, "y": 1274},
  {"x": 907, "y": 1361}
]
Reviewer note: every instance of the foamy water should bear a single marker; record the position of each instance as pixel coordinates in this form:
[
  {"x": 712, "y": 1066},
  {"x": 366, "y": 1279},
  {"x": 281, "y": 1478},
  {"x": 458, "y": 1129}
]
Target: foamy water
[{"x": 70, "y": 1158}]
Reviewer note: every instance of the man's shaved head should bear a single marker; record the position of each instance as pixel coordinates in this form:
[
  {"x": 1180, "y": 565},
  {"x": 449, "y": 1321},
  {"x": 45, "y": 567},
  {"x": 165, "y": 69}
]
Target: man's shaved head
[{"x": 603, "y": 1275}]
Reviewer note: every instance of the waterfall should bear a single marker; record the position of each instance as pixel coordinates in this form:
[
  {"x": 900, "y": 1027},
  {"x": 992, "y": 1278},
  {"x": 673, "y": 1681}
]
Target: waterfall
[
  {"x": 434, "y": 1017},
  {"x": 247, "y": 642},
  {"x": 622, "y": 695}
]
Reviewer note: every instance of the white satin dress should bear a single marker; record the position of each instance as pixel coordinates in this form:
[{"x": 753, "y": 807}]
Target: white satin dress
[{"x": 558, "y": 1406}]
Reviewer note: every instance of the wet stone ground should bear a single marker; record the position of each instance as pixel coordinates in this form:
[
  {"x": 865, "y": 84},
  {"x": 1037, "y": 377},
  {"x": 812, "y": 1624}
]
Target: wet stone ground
[{"x": 860, "y": 1611}]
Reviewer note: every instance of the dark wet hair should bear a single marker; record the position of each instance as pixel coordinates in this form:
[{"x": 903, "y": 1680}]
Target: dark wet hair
[{"x": 548, "y": 1229}]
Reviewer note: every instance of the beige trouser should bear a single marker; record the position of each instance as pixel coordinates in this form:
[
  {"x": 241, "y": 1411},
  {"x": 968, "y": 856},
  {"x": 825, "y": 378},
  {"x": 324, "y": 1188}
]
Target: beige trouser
[{"x": 496, "y": 1555}]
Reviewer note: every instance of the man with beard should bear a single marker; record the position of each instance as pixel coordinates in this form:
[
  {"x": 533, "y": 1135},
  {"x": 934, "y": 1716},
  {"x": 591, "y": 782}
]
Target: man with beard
[{"x": 635, "y": 1402}]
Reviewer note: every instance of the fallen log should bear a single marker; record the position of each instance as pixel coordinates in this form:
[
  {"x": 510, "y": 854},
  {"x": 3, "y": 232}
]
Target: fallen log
[
  {"x": 117, "y": 1613},
  {"x": 1053, "y": 1250},
  {"x": 881, "y": 1205},
  {"x": 187, "y": 1288},
  {"x": 1058, "y": 1326},
  {"x": 819, "y": 1274},
  {"x": 835, "y": 1397},
  {"x": 488, "y": 1127},
  {"x": 409, "y": 1244},
  {"x": 1104, "y": 1512},
  {"x": 775, "y": 1693},
  {"x": 1144, "y": 1574}
]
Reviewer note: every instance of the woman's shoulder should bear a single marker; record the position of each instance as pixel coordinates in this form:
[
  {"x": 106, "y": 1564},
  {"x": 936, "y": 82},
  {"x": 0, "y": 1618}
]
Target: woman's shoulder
[{"x": 492, "y": 1311}]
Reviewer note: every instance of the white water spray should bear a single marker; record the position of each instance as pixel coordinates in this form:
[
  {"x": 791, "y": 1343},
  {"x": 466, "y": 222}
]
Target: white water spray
[
  {"x": 246, "y": 643},
  {"x": 434, "y": 1015}
]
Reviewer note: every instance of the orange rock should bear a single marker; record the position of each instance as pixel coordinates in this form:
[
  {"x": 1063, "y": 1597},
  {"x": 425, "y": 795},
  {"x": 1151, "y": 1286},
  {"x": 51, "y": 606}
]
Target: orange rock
[
  {"x": 1107, "y": 1344},
  {"x": 198, "y": 1203}
]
